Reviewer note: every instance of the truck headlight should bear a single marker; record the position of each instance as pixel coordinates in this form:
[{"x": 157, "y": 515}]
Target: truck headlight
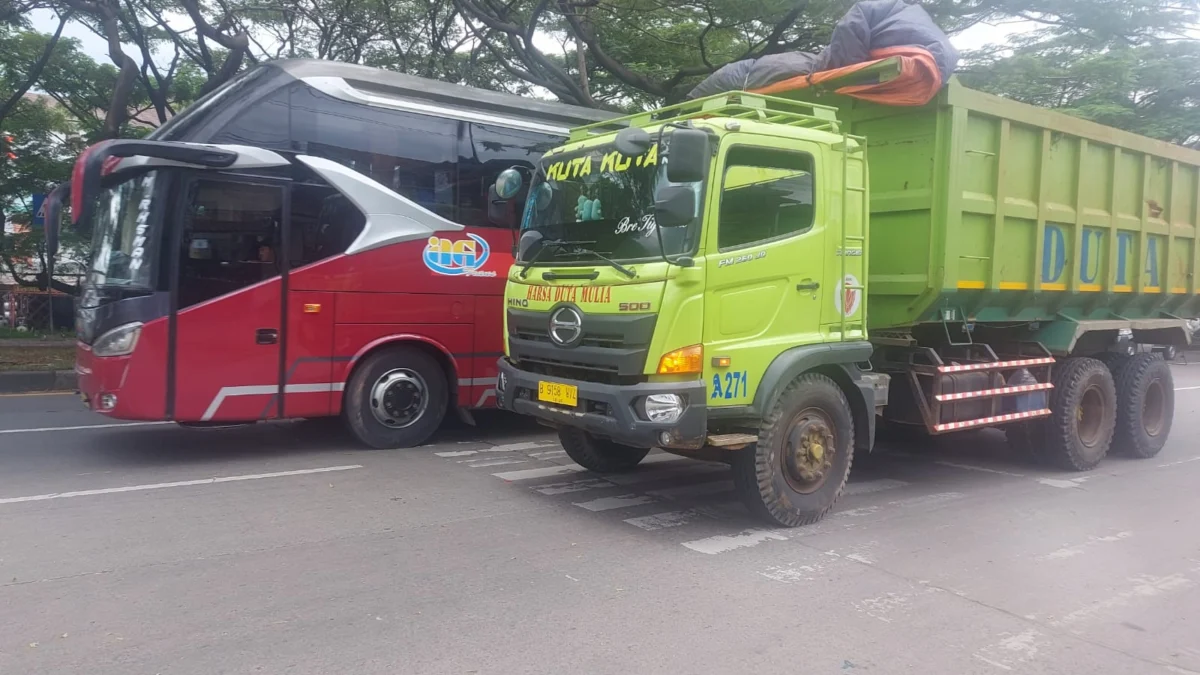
[
  {"x": 663, "y": 408},
  {"x": 118, "y": 341}
]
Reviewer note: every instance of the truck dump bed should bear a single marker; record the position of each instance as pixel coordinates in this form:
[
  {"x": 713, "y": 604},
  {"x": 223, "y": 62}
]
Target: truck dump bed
[{"x": 1006, "y": 212}]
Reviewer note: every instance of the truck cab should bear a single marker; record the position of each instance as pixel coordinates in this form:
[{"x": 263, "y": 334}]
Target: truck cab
[{"x": 677, "y": 274}]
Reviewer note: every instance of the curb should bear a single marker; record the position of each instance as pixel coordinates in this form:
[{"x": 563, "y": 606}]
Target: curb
[{"x": 29, "y": 381}]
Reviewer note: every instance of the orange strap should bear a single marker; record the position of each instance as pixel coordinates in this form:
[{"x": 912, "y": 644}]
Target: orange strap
[{"x": 919, "y": 80}]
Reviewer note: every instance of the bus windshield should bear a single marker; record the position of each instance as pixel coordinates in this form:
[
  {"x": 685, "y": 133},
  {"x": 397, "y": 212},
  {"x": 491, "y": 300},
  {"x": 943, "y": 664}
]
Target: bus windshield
[
  {"x": 122, "y": 229},
  {"x": 605, "y": 199}
]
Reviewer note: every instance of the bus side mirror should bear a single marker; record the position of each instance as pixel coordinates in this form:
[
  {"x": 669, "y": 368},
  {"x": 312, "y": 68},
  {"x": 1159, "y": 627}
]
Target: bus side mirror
[
  {"x": 687, "y": 159},
  {"x": 508, "y": 184},
  {"x": 675, "y": 206}
]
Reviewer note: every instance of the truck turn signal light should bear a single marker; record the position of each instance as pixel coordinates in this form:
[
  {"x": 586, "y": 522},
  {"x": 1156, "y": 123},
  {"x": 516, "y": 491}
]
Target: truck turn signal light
[{"x": 683, "y": 361}]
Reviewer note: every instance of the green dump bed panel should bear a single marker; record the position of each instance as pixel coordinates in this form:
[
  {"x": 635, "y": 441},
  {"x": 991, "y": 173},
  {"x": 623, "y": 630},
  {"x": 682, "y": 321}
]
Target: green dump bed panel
[{"x": 1007, "y": 212}]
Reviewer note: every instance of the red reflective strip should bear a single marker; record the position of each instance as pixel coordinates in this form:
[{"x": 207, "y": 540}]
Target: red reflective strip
[
  {"x": 995, "y": 366},
  {"x": 1002, "y": 391},
  {"x": 955, "y": 426}
]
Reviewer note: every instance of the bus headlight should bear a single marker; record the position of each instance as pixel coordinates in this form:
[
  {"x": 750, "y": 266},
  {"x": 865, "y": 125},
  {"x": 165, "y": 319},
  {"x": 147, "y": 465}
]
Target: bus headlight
[{"x": 118, "y": 341}]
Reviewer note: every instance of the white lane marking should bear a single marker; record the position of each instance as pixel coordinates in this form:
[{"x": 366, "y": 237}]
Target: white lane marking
[
  {"x": 662, "y": 521},
  {"x": 794, "y": 573},
  {"x": 574, "y": 486},
  {"x": 1077, "y": 549},
  {"x": 457, "y": 453},
  {"x": 925, "y": 500},
  {"x": 530, "y": 474},
  {"x": 871, "y": 486},
  {"x": 1186, "y": 388},
  {"x": 681, "y": 470},
  {"x": 1145, "y": 586},
  {"x": 181, "y": 483},
  {"x": 1065, "y": 484},
  {"x": 481, "y": 463},
  {"x": 511, "y": 447},
  {"x": 855, "y": 513},
  {"x": 690, "y": 491},
  {"x": 552, "y": 454},
  {"x": 1163, "y": 466},
  {"x": 660, "y": 458},
  {"x": 984, "y": 469},
  {"x": 883, "y": 607},
  {"x": 40, "y": 430},
  {"x": 263, "y": 390},
  {"x": 1012, "y": 649},
  {"x": 723, "y": 543},
  {"x": 610, "y": 503}
]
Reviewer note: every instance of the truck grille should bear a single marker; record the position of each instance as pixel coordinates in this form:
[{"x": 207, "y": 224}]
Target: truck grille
[{"x": 613, "y": 347}]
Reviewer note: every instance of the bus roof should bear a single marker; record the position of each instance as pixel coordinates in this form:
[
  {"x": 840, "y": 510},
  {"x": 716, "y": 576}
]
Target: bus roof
[{"x": 388, "y": 83}]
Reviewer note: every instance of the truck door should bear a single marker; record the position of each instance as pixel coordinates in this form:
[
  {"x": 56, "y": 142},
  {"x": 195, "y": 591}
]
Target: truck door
[
  {"x": 765, "y": 266},
  {"x": 228, "y": 298}
]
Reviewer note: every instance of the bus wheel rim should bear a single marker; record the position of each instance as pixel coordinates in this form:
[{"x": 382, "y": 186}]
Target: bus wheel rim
[{"x": 399, "y": 398}]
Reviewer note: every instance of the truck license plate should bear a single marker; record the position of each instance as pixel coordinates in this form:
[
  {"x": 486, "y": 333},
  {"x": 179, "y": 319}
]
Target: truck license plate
[{"x": 562, "y": 394}]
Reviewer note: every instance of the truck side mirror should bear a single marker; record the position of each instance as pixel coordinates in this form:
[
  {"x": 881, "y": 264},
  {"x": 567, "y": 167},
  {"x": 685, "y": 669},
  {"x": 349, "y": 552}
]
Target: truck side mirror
[
  {"x": 499, "y": 211},
  {"x": 674, "y": 206},
  {"x": 687, "y": 159}
]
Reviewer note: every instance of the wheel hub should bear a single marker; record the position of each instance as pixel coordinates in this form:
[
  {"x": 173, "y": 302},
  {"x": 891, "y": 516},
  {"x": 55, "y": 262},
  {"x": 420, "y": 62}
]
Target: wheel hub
[
  {"x": 808, "y": 451},
  {"x": 398, "y": 398}
]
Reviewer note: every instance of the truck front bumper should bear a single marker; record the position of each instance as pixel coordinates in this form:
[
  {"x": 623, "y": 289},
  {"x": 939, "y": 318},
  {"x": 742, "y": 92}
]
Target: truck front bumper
[{"x": 608, "y": 411}]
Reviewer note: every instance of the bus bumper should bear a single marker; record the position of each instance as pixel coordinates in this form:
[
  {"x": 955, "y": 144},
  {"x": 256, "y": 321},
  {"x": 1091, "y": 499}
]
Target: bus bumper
[
  {"x": 106, "y": 386},
  {"x": 609, "y": 411}
]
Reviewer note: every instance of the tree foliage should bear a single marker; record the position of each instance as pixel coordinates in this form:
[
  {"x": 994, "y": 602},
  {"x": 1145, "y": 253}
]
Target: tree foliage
[{"x": 1133, "y": 64}]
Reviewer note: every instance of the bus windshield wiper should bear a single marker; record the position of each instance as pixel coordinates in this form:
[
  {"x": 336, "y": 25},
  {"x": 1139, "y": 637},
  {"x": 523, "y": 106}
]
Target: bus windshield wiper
[{"x": 546, "y": 246}]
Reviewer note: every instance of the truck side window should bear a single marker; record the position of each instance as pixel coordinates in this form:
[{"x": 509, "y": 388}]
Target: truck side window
[{"x": 766, "y": 194}]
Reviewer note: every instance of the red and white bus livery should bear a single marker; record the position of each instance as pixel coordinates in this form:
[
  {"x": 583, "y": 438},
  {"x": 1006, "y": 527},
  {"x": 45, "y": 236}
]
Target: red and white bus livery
[{"x": 312, "y": 239}]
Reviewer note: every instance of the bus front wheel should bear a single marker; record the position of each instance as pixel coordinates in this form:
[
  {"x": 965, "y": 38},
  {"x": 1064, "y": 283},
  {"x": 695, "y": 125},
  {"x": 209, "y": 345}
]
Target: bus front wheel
[{"x": 396, "y": 398}]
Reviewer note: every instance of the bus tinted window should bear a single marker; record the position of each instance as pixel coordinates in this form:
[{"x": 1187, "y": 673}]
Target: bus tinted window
[
  {"x": 265, "y": 125},
  {"x": 488, "y": 150},
  {"x": 324, "y": 223},
  {"x": 415, "y": 155}
]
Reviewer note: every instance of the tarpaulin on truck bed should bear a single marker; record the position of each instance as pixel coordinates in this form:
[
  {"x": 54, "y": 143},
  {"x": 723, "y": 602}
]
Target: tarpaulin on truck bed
[{"x": 871, "y": 31}]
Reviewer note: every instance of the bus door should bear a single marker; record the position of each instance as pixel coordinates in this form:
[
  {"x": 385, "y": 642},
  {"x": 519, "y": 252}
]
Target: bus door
[{"x": 228, "y": 297}]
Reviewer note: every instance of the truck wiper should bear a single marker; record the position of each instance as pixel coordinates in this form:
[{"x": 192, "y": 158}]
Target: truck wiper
[
  {"x": 615, "y": 265},
  {"x": 546, "y": 246}
]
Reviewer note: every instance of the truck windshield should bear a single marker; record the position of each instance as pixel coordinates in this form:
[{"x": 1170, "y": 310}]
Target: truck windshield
[
  {"x": 605, "y": 199},
  {"x": 121, "y": 233}
]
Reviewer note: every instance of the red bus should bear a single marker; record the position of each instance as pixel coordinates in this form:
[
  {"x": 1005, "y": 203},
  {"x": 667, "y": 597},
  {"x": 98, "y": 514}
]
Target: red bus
[{"x": 312, "y": 239}]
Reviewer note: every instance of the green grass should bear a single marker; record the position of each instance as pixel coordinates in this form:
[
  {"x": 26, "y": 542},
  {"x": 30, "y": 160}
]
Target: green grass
[{"x": 7, "y": 333}]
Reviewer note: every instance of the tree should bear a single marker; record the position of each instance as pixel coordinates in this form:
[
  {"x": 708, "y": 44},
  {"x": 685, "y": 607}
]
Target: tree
[{"x": 1133, "y": 64}]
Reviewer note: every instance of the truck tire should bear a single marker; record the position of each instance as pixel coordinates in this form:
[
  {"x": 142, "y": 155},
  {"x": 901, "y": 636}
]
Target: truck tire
[
  {"x": 796, "y": 471},
  {"x": 599, "y": 454},
  {"x": 1079, "y": 431},
  {"x": 1145, "y": 406},
  {"x": 396, "y": 398}
]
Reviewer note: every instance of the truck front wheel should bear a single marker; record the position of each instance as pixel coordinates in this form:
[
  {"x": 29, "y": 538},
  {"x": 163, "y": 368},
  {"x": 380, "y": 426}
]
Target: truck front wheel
[
  {"x": 1145, "y": 406},
  {"x": 599, "y": 454},
  {"x": 396, "y": 398},
  {"x": 796, "y": 471},
  {"x": 1079, "y": 431}
]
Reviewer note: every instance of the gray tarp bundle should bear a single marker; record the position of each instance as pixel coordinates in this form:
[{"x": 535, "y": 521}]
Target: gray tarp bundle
[{"x": 869, "y": 25}]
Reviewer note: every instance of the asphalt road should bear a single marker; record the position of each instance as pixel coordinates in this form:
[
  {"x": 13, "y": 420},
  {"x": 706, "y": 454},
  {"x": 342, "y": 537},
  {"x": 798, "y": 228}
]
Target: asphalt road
[{"x": 287, "y": 549}]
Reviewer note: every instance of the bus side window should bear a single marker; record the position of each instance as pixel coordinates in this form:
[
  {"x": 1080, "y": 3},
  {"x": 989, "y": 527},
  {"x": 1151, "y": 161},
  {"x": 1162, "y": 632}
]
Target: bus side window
[
  {"x": 485, "y": 151},
  {"x": 324, "y": 224}
]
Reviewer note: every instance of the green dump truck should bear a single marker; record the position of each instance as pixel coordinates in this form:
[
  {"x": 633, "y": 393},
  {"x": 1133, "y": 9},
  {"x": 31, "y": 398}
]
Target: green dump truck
[{"x": 758, "y": 279}]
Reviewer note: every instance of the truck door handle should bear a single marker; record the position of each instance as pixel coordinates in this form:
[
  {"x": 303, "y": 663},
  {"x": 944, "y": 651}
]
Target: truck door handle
[
  {"x": 808, "y": 286},
  {"x": 266, "y": 336}
]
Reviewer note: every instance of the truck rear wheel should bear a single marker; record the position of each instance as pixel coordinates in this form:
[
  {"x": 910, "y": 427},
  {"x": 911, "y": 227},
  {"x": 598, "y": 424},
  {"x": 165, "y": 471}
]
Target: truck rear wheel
[
  {"x": 1079, "y": 432},
  {"x": 396, "y": 398},
  {"x": 1145, "y": 406},
  {"x": 796, "y": 471},
  {"x": 599, "y": 454}
]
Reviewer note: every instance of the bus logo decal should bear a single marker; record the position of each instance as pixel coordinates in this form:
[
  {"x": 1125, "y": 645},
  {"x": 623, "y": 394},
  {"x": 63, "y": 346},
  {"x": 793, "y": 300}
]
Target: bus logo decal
[{"x": 457, "y": 257}]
